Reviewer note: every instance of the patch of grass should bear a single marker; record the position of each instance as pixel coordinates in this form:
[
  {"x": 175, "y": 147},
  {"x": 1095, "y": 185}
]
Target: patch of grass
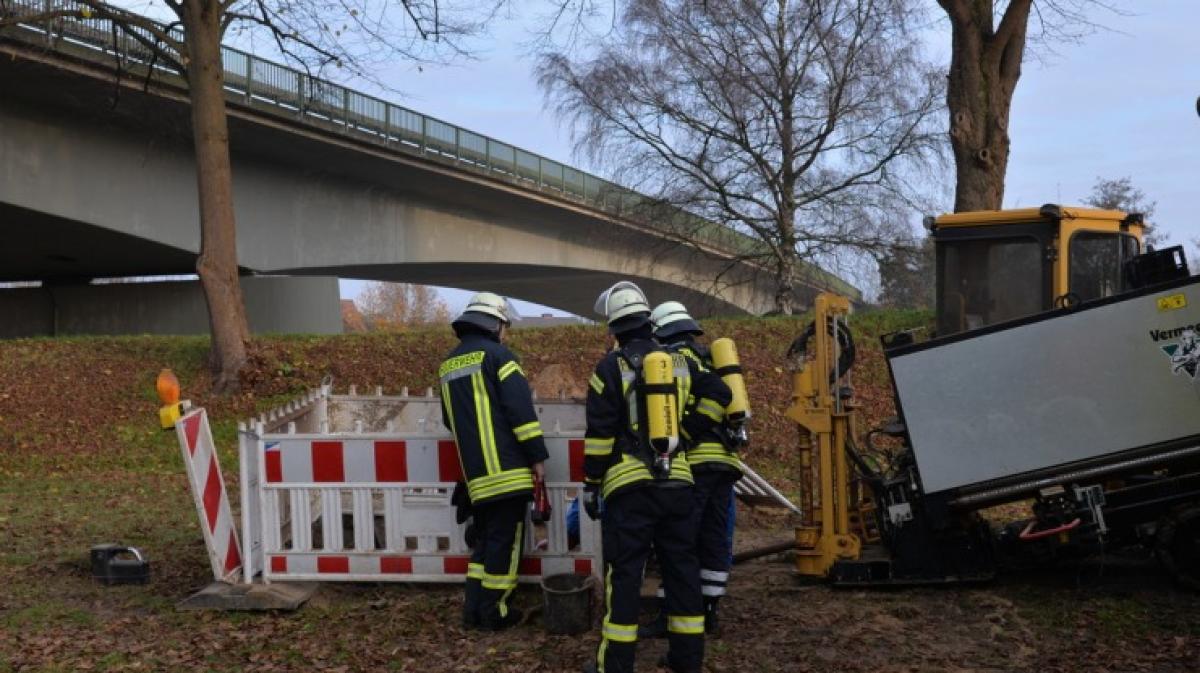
[
  {"x": 112, "y": 660},
  {"x": 46, "y": 614}
]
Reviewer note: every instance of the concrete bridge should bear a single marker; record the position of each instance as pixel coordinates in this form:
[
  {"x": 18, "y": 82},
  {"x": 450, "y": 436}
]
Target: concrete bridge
[{"x": 97, "y": 179}]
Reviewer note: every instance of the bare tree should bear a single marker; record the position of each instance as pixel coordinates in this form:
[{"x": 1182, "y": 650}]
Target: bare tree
[
  {"x": 1121, "y": 194},
  {"x": 352, "y": 35},
  {"x": 398, "y": 306},
  {"x": 794, "y": 121},
  {"x": 906, "y": 274},
  {"x": 987, "y": 50}
]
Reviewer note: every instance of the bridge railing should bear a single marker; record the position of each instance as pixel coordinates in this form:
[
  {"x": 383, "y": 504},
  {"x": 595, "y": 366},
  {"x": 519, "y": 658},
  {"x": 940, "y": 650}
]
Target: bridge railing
[{"x": 280, "y": 90}]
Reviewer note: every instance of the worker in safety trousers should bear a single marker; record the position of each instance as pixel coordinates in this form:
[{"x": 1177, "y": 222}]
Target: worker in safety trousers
[
  {"x": 642, "y": 505},
  {"x": 715, "y": 465},
  {"x": 488, "y": 407}
]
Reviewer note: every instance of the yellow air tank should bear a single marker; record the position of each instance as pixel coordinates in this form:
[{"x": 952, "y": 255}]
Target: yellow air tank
[
  {"x": 662, "y": 413},
  {"x": 729, "y": 368}
]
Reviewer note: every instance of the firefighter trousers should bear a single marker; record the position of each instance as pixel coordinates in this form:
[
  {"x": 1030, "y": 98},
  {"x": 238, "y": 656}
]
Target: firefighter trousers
[
  {"x": 713, "y": 495},
  {"x": 492, "y": 572},
  {"x": 632, "y": 522}
]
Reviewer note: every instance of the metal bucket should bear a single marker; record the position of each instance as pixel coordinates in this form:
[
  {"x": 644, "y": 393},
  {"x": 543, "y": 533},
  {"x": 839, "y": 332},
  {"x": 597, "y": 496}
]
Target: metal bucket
[{"x": 567, "y": 603}]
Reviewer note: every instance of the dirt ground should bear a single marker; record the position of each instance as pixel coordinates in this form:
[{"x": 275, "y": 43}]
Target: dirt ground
[
  {"x": 1122, "y": 617},
  {"x": 82, "y": 463}
]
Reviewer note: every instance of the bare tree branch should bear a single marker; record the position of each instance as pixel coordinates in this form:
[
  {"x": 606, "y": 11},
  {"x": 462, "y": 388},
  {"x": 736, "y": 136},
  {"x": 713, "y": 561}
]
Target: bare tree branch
[{"x": 778, "y": 119}]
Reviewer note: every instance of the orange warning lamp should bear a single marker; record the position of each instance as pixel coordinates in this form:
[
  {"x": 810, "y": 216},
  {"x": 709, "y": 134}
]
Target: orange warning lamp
[{"x": 168, "y": 392}]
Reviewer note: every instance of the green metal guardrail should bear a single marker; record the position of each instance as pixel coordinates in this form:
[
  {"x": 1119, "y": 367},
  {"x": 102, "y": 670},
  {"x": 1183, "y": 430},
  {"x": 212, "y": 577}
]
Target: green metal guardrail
[{"x": 283, "y": 91}]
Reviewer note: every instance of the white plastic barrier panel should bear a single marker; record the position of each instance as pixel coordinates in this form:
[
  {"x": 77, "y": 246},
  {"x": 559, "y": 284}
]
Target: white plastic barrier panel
[
  {"x": 208, "y": 492},
  {"x": 369, "y": 506}
]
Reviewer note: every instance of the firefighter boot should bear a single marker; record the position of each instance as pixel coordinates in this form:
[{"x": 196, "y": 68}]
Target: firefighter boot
[
  {"x": 470, "y": 613},
  {"x": 712, "y": 626},
  {"x": 509, "y": 620},
  {"x": 665, "y": 662}
]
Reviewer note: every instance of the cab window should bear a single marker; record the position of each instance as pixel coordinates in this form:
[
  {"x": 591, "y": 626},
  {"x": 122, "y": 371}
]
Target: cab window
[
  {"x": 1096, "y": 263},
  {"x": 986, "y": 281}
]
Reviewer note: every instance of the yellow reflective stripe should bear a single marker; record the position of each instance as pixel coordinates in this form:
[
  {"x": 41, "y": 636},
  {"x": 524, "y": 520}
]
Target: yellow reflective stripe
[
  {"x": 611, "y": 485},
  {"x": 625, "y": 465},
  {"x": 596, "y": 384},
  {"x": 598, "y": 446},
  {"x": 449, "y": 411},
  {"x": 483, "y": 412},
  {"x": 681, "y": 471},
  {"x": 504, "y": 482},
  {"x": 512, "y": 570},
  {"x": 500, "y": 489},
  {"x": 509, "y": 369},
  {"x": 698, "y": 456},
  {"x": 498, "y": 582},
  {"x": 710, "y": 408},
  {"x": 710, "y": 452},
  {"x": 689, "y": 625},
  {"x": 727, "y": 459},
  {"x": 621, "y": 633},
  {"x": 528, "y": 431},
  {"x": 475, "y": 571},
  {"x": 607, "y": 616}
]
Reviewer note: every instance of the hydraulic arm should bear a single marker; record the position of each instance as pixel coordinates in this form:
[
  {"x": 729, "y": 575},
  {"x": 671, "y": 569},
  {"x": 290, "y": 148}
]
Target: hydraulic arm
[{"x": 819, "y": 394}]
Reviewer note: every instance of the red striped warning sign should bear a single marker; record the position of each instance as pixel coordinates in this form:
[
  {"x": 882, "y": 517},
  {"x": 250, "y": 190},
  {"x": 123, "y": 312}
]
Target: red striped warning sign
[
  {"x": 208, "y": 491},
  {"x": 302, "y": 460}
]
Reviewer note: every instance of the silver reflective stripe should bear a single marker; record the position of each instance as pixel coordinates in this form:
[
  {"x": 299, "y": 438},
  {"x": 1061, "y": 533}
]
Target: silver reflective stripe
[
  {"x": 628, "y": 377},
  {"x": 714, "y": 575},
  {"x": 460, "y": 373}
]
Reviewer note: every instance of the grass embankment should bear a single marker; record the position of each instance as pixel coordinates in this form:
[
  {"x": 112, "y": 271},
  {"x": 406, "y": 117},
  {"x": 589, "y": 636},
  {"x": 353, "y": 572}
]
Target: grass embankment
[{"x": 82, "y": 462}]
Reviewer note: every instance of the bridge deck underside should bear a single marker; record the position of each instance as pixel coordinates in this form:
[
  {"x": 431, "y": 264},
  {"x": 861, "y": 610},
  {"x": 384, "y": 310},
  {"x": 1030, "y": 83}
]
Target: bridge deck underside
[{"x": 408, "y": 204}]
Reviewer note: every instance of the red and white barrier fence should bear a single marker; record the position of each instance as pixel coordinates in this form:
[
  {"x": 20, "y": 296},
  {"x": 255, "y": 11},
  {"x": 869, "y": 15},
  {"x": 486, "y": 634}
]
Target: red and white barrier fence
[
  {"x": 208, "y": 491},
  {"x": 373, "y": 503},
  {"x": 358, "y": 488}
]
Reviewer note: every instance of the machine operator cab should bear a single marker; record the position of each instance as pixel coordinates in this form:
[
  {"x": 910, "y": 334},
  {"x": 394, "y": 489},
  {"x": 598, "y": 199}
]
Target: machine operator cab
[{"x": 997, "y": 265}]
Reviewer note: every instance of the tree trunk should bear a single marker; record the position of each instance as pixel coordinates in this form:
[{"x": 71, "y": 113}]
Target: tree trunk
[
  {"x": 985, "y": 65},
  {"x": 785, "y": 267},
  {"x": 785, "y": 293},
  {"x": 217, "y": 264}
]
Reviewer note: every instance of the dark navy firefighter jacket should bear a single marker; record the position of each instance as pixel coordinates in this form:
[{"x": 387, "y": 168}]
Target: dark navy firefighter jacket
[{"x": 487, "y": 405}]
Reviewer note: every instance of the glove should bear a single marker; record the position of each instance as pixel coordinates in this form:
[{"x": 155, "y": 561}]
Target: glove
[
  {"x": 591, "y": 501},
  {"x": 461, "y": 500},
  {"x": 734, "y": 438}
]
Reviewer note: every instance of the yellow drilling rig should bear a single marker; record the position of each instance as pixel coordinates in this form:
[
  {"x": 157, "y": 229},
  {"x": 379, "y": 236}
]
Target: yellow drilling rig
[{"x": 1063, "y": 371}]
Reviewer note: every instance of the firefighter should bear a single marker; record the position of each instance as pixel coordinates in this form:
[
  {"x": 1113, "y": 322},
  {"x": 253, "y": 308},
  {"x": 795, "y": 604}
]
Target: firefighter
[
  {"x": 488, "y": 407},
  {"x": 641, "y": 499},
  {"x": 715, "y": 464}
]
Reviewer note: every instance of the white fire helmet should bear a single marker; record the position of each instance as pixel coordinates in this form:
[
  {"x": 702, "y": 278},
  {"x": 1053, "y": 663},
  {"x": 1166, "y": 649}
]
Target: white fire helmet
[
  {"x": 622, "y": 300},
  {"x": 670, "y": 318},
  {"x": 487, "y": 310}
]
